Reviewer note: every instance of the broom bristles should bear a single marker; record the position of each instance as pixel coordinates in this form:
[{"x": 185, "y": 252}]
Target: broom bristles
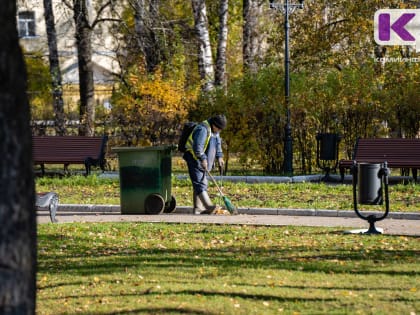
[{"x": 229, "y": 206}]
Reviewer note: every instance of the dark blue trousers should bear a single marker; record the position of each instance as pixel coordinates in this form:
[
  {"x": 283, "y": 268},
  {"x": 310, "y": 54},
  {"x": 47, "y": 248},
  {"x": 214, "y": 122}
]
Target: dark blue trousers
[{"x": 197, "y": 173}]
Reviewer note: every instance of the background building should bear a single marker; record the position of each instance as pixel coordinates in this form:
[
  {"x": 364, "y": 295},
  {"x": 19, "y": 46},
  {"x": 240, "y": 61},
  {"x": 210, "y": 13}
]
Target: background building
[{"x": 33, "y": 38}]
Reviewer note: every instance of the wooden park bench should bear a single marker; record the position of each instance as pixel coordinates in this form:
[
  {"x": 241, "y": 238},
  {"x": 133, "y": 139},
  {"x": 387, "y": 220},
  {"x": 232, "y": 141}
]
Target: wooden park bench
[
  {"x": 397, "y": 152},
  {"x": 67, "y": 150}
]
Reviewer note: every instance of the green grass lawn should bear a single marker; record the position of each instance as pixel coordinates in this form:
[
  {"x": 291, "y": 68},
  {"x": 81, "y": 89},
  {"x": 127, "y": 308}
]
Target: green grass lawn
[
  {"x": 146, "y": 268},
  {"x": 95, "y": 190}
]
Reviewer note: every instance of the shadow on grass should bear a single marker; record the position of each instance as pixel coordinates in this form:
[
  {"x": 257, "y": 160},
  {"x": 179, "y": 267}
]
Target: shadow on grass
[
  {"x": 193, "y": 293},
  {"x": 184, "y": 254},
  {"x": 94, "y": 249},
  {"x": 262, "y": 297},
  {"x": 157, "y": 310},
  {"x": 88, "y": 259}
]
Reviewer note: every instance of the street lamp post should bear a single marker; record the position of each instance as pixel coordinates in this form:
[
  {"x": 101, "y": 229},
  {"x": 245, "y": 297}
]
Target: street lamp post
[{"x": 287, "y": 8}]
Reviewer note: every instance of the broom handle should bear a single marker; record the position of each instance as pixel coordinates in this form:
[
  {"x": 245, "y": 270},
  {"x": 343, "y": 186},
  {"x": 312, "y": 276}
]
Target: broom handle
[
  {"x": 221, "y": 175},
  {"x": 214, "y": 181}
]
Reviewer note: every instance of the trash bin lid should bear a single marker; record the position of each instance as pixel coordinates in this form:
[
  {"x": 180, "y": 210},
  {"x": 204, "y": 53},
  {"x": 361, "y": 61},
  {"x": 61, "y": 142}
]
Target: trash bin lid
[{"x": 149, "y": 148}]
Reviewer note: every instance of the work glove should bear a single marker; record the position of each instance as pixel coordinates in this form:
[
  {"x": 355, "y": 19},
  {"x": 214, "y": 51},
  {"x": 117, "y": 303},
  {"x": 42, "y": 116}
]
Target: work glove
[{"x": 204, "y": 164}]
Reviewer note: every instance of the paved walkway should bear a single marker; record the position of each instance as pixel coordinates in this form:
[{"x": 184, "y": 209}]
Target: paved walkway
[{"x": 395, "y": 223}]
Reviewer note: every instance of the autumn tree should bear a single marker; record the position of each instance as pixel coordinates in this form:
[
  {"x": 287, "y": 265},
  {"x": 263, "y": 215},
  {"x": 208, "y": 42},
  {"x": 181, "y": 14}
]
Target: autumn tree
[
  {"x": 335, "y": 86},
  {"x": 17, "y": 188},
  {"x": 150, "y": 108},
  {"x": 147, "y": 19},
  {"x": 86, "y": 18},
  {"x": 400, "y": 86},
  {"x": 84, "y": 57},
  {"x": 205, "y": 54},
  {"x": 39, "y": 86},
  {"x": 326, "y": 33},
  {"x": 220, "y": 73},
  {"x": 252, "y": 36},
  {"x": 57, "y": 88}
]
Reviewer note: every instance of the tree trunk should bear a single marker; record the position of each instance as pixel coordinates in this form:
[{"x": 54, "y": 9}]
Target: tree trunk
[
  {"x": 17, "y": 192},
  {"x": 205, "y": 57},
  {"x": 145, "y": 24},
  {"x": 250, "y": 37},
  {"x": 58, "y": 103},
  {"x": 84, "y": 55},
  {"x": 220, "y": 76}
]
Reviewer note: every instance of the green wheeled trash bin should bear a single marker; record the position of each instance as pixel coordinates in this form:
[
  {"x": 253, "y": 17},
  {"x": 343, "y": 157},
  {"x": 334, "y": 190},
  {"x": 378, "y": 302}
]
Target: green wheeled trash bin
[{"x": 145, "y": 179}]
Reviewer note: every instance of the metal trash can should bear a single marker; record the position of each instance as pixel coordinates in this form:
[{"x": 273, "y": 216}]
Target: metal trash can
[
  {"x": 369, "y": 179},
  {"x": 145, "y": 179},
  {"x": 328, "y": 146}
]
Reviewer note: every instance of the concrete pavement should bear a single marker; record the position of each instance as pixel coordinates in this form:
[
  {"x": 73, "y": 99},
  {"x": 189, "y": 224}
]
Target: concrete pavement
[{"x": 397, "y": 223}]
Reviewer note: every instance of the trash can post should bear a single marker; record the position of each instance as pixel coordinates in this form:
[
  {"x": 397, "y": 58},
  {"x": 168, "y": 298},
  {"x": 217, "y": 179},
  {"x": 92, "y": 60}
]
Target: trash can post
[{"x": 369, "y": 181}]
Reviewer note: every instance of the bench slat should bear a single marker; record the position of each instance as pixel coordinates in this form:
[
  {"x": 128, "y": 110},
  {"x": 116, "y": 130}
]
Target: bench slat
[{"x": 69, "y": 150}]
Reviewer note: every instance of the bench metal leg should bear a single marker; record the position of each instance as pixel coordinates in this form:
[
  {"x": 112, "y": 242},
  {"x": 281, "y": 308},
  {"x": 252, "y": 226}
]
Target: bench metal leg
[
  {"x": 342, "y": 172},
  {"x": 89, "y": 162},
  {"x": 66, "y": 169},
  {"x": 48, "y": 200},
  {"x": 87, "y": 166}
]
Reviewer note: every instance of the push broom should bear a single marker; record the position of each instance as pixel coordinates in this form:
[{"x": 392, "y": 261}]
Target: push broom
[{"x": 229, "y": 206}]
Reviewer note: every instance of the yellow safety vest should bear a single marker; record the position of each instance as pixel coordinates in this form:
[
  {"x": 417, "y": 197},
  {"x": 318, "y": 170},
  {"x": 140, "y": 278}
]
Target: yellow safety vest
[{"x": 189, "y": 144}]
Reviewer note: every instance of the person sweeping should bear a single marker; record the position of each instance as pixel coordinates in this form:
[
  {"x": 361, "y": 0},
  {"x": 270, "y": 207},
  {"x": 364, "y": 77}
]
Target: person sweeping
[{"x": 203, "y": 148}]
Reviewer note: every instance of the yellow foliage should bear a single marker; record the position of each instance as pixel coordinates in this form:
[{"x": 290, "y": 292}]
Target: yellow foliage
[
  {"x": 152, "y": 107},
  {"x": 156, "y": 94}
]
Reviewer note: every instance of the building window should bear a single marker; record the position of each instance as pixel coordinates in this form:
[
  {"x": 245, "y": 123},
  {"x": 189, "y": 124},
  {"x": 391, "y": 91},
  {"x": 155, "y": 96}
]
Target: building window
[{"x": 26, "y": 21}]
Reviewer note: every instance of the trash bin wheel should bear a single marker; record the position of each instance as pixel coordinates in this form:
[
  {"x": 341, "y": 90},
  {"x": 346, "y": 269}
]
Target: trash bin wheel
[
  {"x": 170, "y": 206},
  {"x": 154, "y": 204}
]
